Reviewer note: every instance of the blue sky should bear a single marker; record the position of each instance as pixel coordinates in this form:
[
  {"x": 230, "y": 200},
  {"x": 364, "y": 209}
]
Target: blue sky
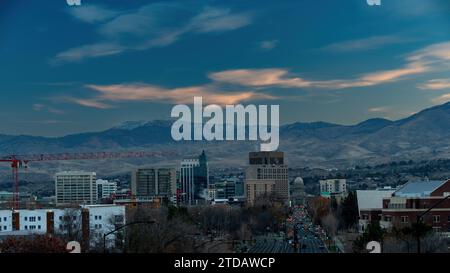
[{"x": 74, "y": 69}]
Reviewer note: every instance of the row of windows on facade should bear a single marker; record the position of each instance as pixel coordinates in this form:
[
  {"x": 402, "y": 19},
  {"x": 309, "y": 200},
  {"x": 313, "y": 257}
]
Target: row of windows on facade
[
  {"x": 33, "y": 227},
  {"x": 272, "y": 177},
  {"x": 75, "y": 184},
  {"x": 405, "y": 219},
  {"x": 4, "y": 219},
  {"x": 75, "y": 191},
  {"x": 96, "y": 217},
  {"x": 39, "y": 227},
  {"x": 32, "y": 218},
  {"x": 61, "y": 227},
  {"x": 276, "y": 170}
]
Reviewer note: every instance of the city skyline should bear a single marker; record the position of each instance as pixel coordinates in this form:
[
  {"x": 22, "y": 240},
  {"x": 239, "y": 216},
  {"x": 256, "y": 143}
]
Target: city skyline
[{"x": 76, "y": 69}]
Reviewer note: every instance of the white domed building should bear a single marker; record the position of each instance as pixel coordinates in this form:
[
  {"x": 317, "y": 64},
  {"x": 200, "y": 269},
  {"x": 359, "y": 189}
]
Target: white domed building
[{"x": 298, "y": 195}]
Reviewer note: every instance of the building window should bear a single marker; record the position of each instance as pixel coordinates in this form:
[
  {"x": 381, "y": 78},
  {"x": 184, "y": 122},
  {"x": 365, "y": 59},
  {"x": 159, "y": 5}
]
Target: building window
[
  {"x": 448, "y": 218},
  {"x": 99, "y": 217},
  {"x": 95, "y": 217},
  {"x": 5, "y": 228},
  {"x": 0, "y": 228},
  {"x": 39, "y": 227},
  {"x": 4, "y": 219},
  {"x": 32, "y": 219},
  {"x": 404, "y": 219},
  {"x": 100, "y": 226},
  {"x": 60, "y": 227},
  {"x": 118, "y": 218},
  {"x": 387, "y": 218},
  {"x": 26, "y": 218},
  {"x": 39, "y": 218},
  {"x": 26, "y": 227},
  {"x": 436, "y": 218}
]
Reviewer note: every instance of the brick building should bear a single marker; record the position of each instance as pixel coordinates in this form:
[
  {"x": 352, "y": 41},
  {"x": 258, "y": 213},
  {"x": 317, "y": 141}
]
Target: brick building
[{"x": 414, "y": 198}]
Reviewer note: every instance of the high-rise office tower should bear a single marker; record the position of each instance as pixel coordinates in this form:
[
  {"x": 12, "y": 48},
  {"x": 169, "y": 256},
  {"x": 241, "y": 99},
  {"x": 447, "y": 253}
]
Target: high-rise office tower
[
  {"x": 194, "y": 179},
  {"x": 152, "y": 183},
  {"x": 76, "y": 188},
  {"x": 266, "y": 174}
]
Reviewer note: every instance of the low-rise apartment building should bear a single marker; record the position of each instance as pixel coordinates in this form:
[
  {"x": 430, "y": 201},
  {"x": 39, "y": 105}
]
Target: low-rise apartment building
[{"x": 91, "y": 221}]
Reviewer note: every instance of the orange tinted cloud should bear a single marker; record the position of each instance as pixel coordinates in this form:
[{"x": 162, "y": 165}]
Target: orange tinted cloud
[
  {"x": 145, "y": 92},
  {"x": 436, "y": 84},
  {"x": 433, "y": 57}
]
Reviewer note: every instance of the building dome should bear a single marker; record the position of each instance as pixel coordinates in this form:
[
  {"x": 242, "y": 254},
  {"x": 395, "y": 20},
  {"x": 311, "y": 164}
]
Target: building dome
[
  {"x": 299, "y": 181},
  {"x": 298, "y": 191}
]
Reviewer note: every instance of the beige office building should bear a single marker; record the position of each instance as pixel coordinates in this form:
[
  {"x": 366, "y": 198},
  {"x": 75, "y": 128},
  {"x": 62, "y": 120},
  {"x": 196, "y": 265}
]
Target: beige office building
[
  {"x": 266, "y": 174},
  {"x": 76, "y": 187}
]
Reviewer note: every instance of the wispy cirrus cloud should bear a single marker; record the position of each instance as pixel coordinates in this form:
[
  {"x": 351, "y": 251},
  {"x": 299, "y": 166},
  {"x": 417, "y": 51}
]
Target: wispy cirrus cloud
[
  {"x": 252, "y": 83},
  {"x": 38, "y": 107},
  {"x": 87, "y": 51},
  {"x": 381, "y": 109},
  {"x": 92, "y": 103},
  {"x": 441, "y": 99},
  {"x": 148, "y": 27},
  {"x": 218, "y": 20},
  {"x": 139, "y": 92},
  {"x": 268, "y": 45},
  {"x": 436, "y": 84},
  {"x": 142, "y": 92},
  {"x": 365, "y": 44},
  {"x": 259, "y": 78},
  {"x": 435, "y": 57},
  {"x": 282, "y": 78},
  {"x": 92, "y": 13}
]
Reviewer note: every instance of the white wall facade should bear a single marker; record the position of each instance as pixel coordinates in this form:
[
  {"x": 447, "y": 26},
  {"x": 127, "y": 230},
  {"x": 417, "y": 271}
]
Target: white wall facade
[
  {"x": 102, "y": 219},
  {"x": 5, "y": 220},
  {"x": 33, "y": 221}
]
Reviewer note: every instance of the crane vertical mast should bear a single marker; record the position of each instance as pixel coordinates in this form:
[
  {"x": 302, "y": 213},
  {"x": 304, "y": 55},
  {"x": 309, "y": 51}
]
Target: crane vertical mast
[{"x": 15, "y": 179}]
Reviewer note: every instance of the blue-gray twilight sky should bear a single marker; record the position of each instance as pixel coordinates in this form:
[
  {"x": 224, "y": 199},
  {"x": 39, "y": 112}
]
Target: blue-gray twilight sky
[{"x": 74, "y": 69}]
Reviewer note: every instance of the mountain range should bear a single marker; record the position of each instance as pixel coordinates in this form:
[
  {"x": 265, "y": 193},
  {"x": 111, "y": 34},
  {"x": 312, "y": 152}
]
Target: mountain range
[{"x": 424, "y": 135}]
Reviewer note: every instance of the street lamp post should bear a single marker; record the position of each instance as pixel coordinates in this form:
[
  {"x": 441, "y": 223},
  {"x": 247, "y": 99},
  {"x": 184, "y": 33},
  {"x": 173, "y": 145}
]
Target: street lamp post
[{"x": 122, "y": 227}]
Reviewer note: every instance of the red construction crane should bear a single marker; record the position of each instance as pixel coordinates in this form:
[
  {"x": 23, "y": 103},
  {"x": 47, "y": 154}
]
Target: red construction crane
[{"x": 21, "y": 161}]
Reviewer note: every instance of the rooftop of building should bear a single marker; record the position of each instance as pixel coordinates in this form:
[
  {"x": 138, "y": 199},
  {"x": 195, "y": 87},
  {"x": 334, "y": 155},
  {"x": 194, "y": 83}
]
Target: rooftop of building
[
  {"x": 418, "y": 188},
  {"x": 75, "y": 173},
  {"x": 372, "y": 199}
]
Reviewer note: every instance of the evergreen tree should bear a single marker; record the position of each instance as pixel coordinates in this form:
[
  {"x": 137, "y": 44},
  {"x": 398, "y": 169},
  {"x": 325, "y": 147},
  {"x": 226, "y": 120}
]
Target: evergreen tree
[{"x": 350, "y": 214}]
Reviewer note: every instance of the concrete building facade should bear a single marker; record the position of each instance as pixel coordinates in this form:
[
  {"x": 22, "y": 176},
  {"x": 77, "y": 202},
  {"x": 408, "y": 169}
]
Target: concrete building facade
[
  {"x": 105, "y": 188},
  {"x": 76, "y": 187},
  {"x": 154, "y": 183},
  {"x": 267, "y": 168}
]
